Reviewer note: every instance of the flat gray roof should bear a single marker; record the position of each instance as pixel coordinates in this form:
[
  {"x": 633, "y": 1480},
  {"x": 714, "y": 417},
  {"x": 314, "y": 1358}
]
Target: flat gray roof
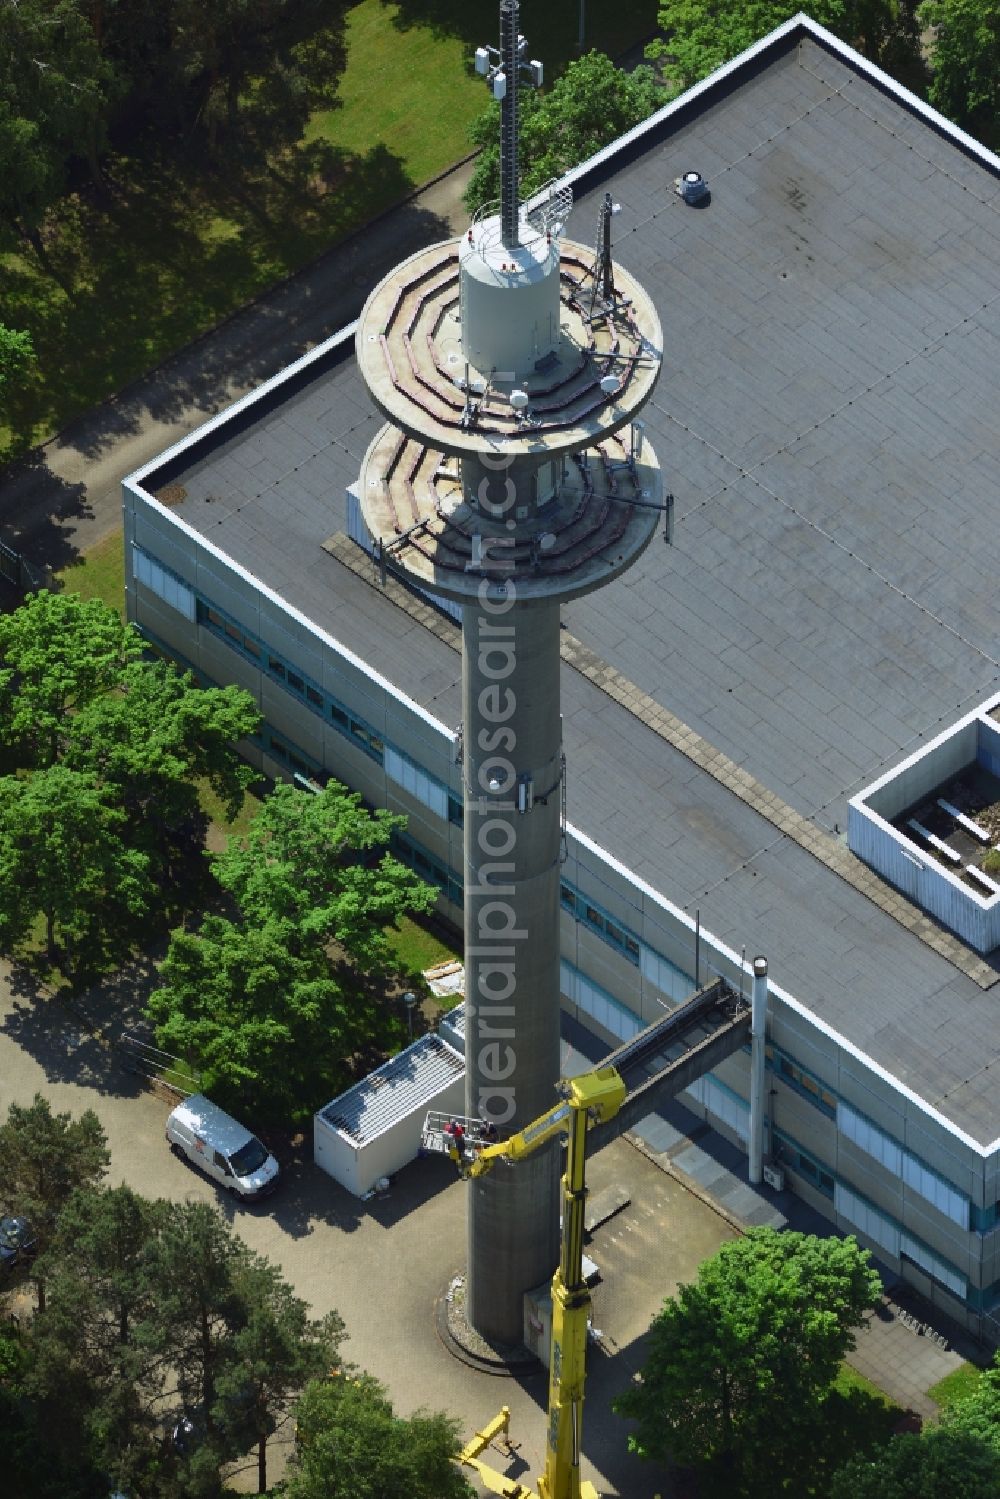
[
  {"x": 828, "y": 421},
  {"x": 401, "y": 1087}
]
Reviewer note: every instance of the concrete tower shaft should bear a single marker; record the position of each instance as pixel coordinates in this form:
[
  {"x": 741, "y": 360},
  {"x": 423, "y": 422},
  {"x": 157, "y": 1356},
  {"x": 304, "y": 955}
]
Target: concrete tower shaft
[
  {"x": 513, "y": 786},
  {"x": 510, "y": 478}
]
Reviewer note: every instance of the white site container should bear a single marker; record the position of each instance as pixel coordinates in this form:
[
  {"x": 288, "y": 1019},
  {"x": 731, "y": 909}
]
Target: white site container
[
  {"x": 451, "y": 1028},
  {"x": 374, "y": 1128}
]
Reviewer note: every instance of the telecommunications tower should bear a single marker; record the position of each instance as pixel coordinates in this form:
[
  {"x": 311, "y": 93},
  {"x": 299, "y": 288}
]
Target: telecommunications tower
[{"x": 511, "y": 477}]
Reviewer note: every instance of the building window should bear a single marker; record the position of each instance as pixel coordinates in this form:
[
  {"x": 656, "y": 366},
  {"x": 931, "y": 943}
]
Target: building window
[
  {"x": 933, "y": 1265},
  {"x": 166, "y": 585},
  {"x": 803, "y": 1164},
  {"x": 597, "y": 1003},
  {"x": 667, "y": 977},
  {"x": 598, "y": 921},
  {"x": 428, "y": 867},
  {"x": 984, "y": 1220},
  {"x": 808, "y": 1086},
  {"x": 721, "y": 1101},
  {"x": 901, "y": 1162},
  {"x": 289, "y": 754},
  {"x": 425, "y": 788}
]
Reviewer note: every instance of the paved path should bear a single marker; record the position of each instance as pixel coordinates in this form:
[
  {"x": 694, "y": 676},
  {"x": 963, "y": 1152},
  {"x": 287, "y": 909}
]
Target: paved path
[{"x": 67, "y": 496}]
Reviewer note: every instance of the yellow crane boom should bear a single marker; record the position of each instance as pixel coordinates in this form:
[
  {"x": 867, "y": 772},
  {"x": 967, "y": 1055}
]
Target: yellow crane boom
[{"x": 592, "y": 1098}]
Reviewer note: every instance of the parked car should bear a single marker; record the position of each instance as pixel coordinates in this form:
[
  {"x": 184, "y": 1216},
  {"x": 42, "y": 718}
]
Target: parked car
[{"x": 17, "y": 1242}]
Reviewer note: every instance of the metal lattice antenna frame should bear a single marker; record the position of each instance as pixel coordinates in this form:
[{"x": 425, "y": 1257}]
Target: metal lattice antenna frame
[
  {"x": 510, "y": 194},
  {"x": 502, "y": 70},
  {"x": 604, "y": 271}
]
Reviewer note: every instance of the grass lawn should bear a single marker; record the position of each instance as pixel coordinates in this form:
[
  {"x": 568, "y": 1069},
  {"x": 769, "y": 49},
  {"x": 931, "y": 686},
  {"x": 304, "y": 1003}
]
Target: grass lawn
[
  {"x": 180, "y": 245},
  {"x": 849, "y": 1379},
  {"x": 956, "y": 1385},
  {"x": 99, "y": 573},
  {"x": 418, "y": 947},
  {"x": 221, "y": 831},
  {"x": 412, "y": 95}
]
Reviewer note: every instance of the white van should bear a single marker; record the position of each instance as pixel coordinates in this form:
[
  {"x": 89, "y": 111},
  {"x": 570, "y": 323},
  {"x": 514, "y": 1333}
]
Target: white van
[{"x": 225, "y": 1150}]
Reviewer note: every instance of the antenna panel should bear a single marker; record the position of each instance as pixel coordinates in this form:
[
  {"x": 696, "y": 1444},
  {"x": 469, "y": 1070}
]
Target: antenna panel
[{"x": 550, "y": 214}]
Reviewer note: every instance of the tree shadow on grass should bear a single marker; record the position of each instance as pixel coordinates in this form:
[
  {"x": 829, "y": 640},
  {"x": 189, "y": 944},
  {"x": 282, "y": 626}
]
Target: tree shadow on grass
[
  {"x": 37, "y": 513},
  {"x": 552, "y": 30},
  {"x": 171, "y": 256}
]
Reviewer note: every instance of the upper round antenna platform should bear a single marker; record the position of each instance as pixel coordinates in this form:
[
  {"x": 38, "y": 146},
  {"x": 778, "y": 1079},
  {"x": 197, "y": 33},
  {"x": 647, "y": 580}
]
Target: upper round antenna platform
[{"x": 411, "y": 352}]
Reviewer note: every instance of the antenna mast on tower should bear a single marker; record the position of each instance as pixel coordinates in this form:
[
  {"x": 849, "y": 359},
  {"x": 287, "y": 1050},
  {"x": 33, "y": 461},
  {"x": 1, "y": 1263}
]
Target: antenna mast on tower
[{"x": 502, "y": 71}]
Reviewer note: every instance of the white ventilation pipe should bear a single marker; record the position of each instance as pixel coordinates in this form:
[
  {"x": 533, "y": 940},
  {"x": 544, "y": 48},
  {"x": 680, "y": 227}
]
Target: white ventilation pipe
[{"x": 758, "y": 1026}]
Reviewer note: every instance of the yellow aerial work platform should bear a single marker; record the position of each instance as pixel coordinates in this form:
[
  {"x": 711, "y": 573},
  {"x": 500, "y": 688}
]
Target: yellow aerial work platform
[{"x": 589, "y": 1099}]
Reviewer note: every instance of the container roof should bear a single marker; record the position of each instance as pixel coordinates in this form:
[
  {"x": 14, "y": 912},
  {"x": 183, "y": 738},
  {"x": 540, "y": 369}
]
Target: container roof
[{"x": 401, "y": 1087}]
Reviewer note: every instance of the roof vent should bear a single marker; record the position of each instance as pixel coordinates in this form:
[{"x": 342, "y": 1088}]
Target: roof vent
[{"x": 692, "y": 187}]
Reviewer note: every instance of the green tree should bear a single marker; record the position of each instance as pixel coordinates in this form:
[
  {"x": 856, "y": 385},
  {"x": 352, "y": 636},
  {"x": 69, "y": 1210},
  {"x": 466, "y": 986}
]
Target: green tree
[
  {"x": 276, "y": 1350},
  {"x": 97, "y": 1377},
  {"x": 265, "y": 1005},
  {"x": 193, "y": 1262},
  {"x": 141, "y": 738},
  {"x": 44, "y": 1159},
  {"x": 58, "y": 653},
  {"x": 159, "y": 733},
  {"x": 17, "y": 353},
  {"x": 30, "y": 1460},
  {"x": 239, "y": 1343},
  {"x": 588, "y": 107},
  {"x": 944, "y": 1462},
  {"x": 149, "y": 745},
  {"x": 309, "y": 860},
  {"x": 965, "y": 61},
  {"x": 54, "y": 98},
  {"x": 738, "y": 1364},
  {"x": 148, "y": 1308},
  {"x": 978, "y": 1413},
  {"x": 252, "y": 71},
  {"x": 701, "y": 35},
  {"x": 63, "y": 857},
  {"x": 351, "y": 1445},
  {"x": 267, "y": 1024}
]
